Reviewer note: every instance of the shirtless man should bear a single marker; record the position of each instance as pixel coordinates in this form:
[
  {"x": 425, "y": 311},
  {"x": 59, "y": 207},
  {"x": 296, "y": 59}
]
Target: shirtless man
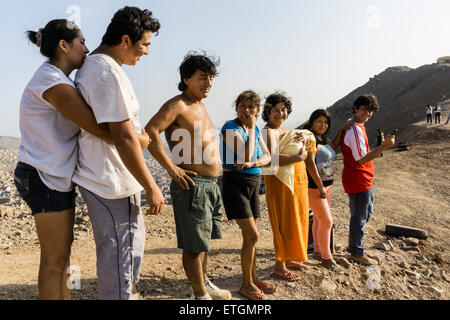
[{"x": 196, "y": 197}]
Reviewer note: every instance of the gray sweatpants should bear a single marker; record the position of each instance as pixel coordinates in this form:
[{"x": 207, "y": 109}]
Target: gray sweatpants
[{"x": 119, "y": 234}]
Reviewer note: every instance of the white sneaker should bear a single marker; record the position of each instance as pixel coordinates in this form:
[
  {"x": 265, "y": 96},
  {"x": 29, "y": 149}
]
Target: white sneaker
[
  {"x": 206, "y": 297},
  {"x": 215, "y": 292}
]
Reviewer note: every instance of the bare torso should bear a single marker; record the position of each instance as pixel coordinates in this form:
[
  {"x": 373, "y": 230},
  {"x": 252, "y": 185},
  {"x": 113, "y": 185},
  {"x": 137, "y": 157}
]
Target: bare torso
[{"x": 196, "y": 127}]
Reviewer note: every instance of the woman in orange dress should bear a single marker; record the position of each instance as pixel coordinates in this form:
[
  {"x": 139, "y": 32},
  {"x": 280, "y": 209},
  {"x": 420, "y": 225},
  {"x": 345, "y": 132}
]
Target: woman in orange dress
[{"x": 287, "y": 197}]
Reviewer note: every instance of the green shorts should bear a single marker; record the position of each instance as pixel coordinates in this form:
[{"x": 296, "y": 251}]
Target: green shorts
[{"x": 198, "y": 214}]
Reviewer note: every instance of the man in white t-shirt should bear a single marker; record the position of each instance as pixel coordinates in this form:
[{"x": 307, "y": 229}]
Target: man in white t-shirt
[{"x": 111, "y": 177}]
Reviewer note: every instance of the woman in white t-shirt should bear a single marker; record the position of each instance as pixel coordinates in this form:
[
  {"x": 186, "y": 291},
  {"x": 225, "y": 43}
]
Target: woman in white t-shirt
[{"x": 51, "y": 114}]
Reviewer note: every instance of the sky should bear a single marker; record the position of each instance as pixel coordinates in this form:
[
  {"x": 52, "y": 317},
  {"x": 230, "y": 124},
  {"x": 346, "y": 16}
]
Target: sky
[{"x": 316, "y": 51}]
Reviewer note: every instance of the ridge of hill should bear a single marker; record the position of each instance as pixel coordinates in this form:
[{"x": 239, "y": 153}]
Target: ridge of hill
[{"x": 403, "y": 94}]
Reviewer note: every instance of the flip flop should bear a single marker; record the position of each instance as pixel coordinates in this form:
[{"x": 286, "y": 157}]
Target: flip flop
[
  {"x": 287, "y": 276},
  {"x": 266, "y": 287},
  {"x": 297, "y": 266},
  {"x": 330, "y": 264},
  {"x": 253, "y": 295}
]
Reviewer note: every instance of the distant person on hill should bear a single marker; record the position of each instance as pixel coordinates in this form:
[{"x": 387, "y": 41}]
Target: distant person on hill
[
  {"x": 429, "y": 114},
  {"x": 111, "y": 177},
  {"x": 51, "y": 114},
  {"x": 243, "y": 153},
  {"x": 437, "y": 114},
  {"x": 358, "y": 172},
  {"x": 194, "y": 169},
  {"x": 287, "y": 189},
  {"x": 319, "y": 123}
]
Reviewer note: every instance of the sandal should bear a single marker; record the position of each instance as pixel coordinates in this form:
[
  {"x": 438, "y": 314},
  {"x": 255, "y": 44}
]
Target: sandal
[
  {"x": 266, "y": 287},
  {"x": 330, "y": 264},
  {"x": 296, "y": 266},
  {"x": 257, "y": 295},
  {"x": 286, "y": 275}
]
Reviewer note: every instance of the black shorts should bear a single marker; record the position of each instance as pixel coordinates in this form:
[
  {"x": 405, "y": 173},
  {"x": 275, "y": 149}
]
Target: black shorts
[
  {"x": 37, "y": 195},
  {"x": 240, "y": 195}
]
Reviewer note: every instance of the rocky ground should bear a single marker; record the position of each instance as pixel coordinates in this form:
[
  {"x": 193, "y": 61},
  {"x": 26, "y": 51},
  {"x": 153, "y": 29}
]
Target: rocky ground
[{"x": 411, "y": 188}]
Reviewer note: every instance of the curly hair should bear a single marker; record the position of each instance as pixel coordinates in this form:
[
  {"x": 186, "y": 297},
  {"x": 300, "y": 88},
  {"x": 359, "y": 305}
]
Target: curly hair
[
  {"x": 369, "y": 100},
  {"x": 194, "y": 61},
  {"x": 274, "y": 99},
  {"x": 130, "y": 21},
  {"x": 55, "y": 31},
  {"x": 248, "y": 95}
]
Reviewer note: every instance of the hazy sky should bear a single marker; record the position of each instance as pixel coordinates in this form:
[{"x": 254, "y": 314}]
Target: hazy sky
[{"x": 317, "y": 51}]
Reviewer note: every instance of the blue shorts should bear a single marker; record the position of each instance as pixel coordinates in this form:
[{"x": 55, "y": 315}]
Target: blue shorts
[{"x": 37, "y": 195}]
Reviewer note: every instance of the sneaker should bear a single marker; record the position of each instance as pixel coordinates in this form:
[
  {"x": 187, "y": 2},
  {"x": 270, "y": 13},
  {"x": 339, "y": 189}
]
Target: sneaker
[
  {"x": 206, "y": 297},
  {"x": 215, "y": 292},
  {"x": 365, "y": 260},
  {"x": 137, "y": 296}
]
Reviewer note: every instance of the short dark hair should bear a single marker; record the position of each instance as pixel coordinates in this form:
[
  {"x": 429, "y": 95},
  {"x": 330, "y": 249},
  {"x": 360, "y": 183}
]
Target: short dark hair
[
  {"x": 369, "y": 100},
  {"x": 248, "y": 95},
  {"x": 316, "y": 115},
  {"x": 194, "y": 61},
  {"x": 274, "y": 99},
  {"x": 48, "y": 38},
  {"x": 130, "y": 21}
]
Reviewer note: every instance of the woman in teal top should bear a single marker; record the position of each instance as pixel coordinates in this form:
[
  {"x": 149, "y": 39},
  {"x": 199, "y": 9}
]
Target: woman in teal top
[{"x": 243, "y": 154}]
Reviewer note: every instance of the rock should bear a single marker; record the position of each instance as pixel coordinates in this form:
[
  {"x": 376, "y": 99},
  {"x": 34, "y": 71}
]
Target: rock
[
  {"x": 413, "y": 249},
  {"x": 390, "y": 244},
  {"x": 382, "y": 246},
  {"x": 343, "y": 262},
  {"x": 414, "y": 282},
  {"x": 412, "y": 274},
  {"x": 411, "y": 241},
  {"x": 376, "y": 258},
  {"x": 438, "y": 258},
  {"x": 403, "y": 265},
  {"x": 444, "y": 276},
  {"x": 427, "y": 273},
  {"x": 434, "y": 290},
  {"x": 328, "y": 284},
  {"x": 290, "y": 284}
]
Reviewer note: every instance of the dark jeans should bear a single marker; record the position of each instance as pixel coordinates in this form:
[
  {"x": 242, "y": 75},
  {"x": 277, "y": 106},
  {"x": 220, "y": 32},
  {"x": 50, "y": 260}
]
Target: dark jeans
[
  {"x": 361, "y": 206},
  {"x": 429, "y": 118},
  {"x": 437, "y": 117}
]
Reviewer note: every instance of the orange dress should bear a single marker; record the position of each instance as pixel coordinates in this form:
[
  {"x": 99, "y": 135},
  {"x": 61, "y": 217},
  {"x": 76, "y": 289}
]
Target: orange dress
[{"x": 289, "y": 215}]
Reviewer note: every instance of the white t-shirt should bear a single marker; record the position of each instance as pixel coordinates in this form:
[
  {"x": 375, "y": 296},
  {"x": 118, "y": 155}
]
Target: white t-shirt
[
  {"x": 107, "y": 89},
  {"x": 49, "y": 139},
  {"x": 354, "y": 139}
]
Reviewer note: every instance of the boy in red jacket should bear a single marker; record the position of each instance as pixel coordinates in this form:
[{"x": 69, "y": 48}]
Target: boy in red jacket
[{"x": 357, "y": 176}]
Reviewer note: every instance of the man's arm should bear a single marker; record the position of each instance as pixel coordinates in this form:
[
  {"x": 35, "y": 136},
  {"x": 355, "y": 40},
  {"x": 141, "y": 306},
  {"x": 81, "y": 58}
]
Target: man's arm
[
  {"x": 67, "y": 101},
  {"x": 129, "y": 148},
  {"x": 378, "y": 150},
  {"x": 159, "y": 123}
]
